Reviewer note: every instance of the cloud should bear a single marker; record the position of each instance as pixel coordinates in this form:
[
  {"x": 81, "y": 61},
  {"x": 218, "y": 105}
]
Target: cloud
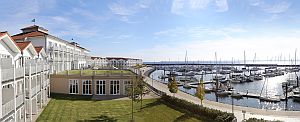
[
  {"x": 198, "y": 32},
  {"x": 125, "y": 11},
  {"x": 87, "y": 14},
  {"x": 222, "y": 5},
  {"x": 255, "y": 2},
  {"x": 180, "y": 6},
  {"x": 19, "y": 13},
  {"x": 277, "y": 8},
  {"x": 177, "y": 5},
  {"x": 196, "y": 4},
  {"x": 124, "y": 36},
  {"x": 273, "y": 7},
  {"x": 66, "y": 26}
]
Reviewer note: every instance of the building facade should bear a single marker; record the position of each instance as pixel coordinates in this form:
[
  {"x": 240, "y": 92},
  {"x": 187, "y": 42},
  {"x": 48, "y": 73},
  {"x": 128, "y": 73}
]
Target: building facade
[
  {"x": 27, "y": 60},
  {"x": 24, "y": 74},
  {"x": 62, "y": 54},
  {"x": 101, "y": 84},
  {"x": 114, "y": 62}
]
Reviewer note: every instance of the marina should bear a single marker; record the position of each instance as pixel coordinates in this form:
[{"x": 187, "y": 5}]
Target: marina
[{"x": 257, "y": 87}]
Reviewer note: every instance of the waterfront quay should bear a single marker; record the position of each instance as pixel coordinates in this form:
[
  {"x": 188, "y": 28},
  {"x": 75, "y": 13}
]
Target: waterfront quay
[{"x": 240, "y": 112}]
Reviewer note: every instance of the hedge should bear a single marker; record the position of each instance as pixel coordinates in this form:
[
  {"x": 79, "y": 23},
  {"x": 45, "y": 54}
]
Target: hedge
[{"x": 199, "y": 110}]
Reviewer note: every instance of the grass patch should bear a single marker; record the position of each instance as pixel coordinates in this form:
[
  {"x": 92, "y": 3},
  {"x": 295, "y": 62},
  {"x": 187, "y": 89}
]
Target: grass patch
[
  {"x": 68, "y": 108},
  {"x": 97, "y": 72}
]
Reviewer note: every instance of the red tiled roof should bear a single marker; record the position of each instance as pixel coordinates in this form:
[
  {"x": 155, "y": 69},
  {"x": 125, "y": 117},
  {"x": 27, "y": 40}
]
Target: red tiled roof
[
  {"x": 3, "y": 33},
  {"x": 30, "y": 34},
  {"x": 32, "y": 26},
  {"x": 38, "y": 49},
  {"x": 23, "y": 45}
]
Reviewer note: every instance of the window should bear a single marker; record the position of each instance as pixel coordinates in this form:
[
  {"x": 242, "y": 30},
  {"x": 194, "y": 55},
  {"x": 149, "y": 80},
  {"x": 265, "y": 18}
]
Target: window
[
  {"x": 126, "y": 85},
  {"x": 114, "y": 87},
  {"x": 73, "y": 86},
  {"x": 100, "y": 84},
  {"x": 87, "y": 87}
]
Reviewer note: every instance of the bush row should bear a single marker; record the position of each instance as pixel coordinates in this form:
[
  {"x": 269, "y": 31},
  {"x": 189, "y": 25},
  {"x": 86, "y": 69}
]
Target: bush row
[{"x": 199, "y": 110}]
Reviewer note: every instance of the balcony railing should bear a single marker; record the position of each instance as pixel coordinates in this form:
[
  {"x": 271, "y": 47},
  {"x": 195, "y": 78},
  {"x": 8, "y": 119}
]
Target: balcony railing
[
  {"x": 7, "y": 107},
  {"x": 19, "y": 72},
  {"x": 7, "y": 74},
  {"x": 38, "y": 88},
  {"x": 20, "y": 100},
  {"x": 30, "y": 69},
  {"x": 26, "y": 93}
]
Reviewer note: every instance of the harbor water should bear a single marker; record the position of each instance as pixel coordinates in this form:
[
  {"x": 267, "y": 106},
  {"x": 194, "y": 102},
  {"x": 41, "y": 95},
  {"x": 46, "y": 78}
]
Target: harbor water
[{"x": 272, "y": 87}]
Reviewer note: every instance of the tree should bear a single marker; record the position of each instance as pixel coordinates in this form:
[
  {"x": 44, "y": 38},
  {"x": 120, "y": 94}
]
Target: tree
[
  {"x": 200, "y": 90},
  {"x": 137, "y": 90},
  {"x": 172, "y": 85}
]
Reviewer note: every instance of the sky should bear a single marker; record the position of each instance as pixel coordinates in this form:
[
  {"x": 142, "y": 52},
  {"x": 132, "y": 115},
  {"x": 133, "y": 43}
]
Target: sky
[{"x": 157, "y": 30}]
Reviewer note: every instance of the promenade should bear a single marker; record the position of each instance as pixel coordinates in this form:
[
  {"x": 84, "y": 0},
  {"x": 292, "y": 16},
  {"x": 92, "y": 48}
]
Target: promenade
[{"x": 287, "y": 116}]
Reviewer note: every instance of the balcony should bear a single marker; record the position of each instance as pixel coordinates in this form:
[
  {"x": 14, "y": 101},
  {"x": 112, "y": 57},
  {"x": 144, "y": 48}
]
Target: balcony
[
  {"x": 33, "y": 92},
  {"x": 20, "y": 100},
  {"x": 30, "y": 69},
  {"x": 7, "y": 74},
  {"x": 38, "y": 88},
  {"x": 7, "y": 107}
]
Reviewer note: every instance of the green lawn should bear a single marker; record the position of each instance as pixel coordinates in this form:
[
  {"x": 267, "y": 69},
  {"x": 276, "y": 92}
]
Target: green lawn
[
  {"x": 97, "y": 72},
  {"x": 63, "y": 109}
]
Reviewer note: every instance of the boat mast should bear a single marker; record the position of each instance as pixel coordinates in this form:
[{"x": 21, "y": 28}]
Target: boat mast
[
  {"x": 185, "y": 60},
  {"x": 245, "y": 58},
  {"x": 217, "y": 80}
]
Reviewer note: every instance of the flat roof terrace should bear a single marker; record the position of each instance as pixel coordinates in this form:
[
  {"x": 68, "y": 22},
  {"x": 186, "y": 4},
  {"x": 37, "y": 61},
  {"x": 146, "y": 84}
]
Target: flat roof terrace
[{"x": 90, "y": 72}]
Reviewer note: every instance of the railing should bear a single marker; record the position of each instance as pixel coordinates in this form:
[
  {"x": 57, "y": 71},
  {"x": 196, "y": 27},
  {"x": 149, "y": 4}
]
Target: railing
[
  {"x": 33, "y": 91},
  {"x": 7, "y": 74},
  {"x": 19, "y": 72},
  {"x": 45, "y": 83},
  {"x": 20, "y": 100},
  {"x": 7, "y": 107},
  {"x": 40, "y": 67},
  {"x": 27, "y": 93},
  {"x": 38, "y": 88}
]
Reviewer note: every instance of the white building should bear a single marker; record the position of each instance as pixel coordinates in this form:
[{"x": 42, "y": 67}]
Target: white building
[
  {"x": 113, "y": 62},
  {"x": 63, "y": 55},
  {"x": 24, "y": 75},
  {"x": 26, "y": 61},
  {"x": 98, "y": 62}
]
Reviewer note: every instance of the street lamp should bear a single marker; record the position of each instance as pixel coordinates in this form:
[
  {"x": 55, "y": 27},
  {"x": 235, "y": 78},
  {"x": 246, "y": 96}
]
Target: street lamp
[
  {"x": 232, "y": 101},
  {"x": 152, "y": 79},
  {"x": 244, "y": 112}
]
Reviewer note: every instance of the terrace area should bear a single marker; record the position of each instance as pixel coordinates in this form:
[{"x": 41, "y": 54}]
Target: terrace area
[{"x": 90, "y": 72}]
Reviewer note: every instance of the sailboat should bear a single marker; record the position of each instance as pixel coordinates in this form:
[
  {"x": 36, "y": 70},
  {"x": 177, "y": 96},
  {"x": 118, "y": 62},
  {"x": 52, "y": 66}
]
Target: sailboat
[
  {"x": 291, "y": 81},
  {"x": 185, "y": 83},
  {"x": 266, "y": 97}
]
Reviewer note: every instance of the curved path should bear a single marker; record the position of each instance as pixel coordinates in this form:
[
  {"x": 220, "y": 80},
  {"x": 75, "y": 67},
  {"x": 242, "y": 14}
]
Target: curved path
[{"x": 288, "y": 116}]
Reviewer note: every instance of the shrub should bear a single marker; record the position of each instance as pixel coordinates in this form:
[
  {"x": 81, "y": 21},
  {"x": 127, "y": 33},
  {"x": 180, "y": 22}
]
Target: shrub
[{"x": 199, "y": 110}]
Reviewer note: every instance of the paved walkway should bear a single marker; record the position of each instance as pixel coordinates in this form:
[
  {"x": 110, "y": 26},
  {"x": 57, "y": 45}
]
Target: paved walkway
[{"x": 288, "y": 116}]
